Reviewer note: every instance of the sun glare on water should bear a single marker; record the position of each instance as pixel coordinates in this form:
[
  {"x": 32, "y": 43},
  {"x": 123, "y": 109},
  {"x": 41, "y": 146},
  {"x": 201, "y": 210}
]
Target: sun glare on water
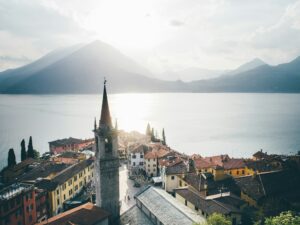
[{"x": 132, "y": 111}]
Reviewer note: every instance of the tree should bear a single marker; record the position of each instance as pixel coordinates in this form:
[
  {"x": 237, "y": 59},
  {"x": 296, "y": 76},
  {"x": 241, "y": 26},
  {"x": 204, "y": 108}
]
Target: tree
[
  {"x": 216, "y": 219},
  {"x": 148, "y": 130},
  {"x": 152, "y": 135},
  {"x": 30, "y": 152},
  {"x": 164, "y": 137},
  {"x": 11, "y": 160},
  {"x": 23, "y": 150},
  {"x": 285, "y": 218},
  {"x": 36, "y": 154}
]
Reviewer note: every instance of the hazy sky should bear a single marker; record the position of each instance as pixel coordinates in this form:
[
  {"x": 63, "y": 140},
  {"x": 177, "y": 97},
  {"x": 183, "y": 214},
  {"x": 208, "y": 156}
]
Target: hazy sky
[{"x": 159, "y": 34}]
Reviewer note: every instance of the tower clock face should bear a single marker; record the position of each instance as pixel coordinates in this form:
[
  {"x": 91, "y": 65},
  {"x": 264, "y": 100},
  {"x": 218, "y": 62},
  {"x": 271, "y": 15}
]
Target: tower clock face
[{"x": 108, "y": 144}]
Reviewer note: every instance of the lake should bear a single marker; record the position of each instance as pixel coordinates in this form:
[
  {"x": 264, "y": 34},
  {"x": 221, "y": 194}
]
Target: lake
[{"x": 207, "y": 124}]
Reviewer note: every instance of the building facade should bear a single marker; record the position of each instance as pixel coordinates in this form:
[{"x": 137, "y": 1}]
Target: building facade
[{"x": 17, "y": 205}]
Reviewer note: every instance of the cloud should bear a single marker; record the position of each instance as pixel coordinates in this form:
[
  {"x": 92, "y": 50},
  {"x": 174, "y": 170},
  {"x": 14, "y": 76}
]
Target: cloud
[
  {"x": 176, "y": 23},
  {"x": 28, "y": 18}
]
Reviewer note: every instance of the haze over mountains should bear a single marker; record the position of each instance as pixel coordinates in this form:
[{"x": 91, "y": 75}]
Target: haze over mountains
[{"x": 81, "y": 69}]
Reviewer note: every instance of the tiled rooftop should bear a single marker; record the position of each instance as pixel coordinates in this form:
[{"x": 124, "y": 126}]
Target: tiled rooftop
[{"x": 166, "y": 208}]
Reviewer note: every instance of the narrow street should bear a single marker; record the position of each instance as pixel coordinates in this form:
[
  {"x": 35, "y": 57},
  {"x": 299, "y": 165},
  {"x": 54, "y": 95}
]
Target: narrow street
[{"x": 126, "y": 189}]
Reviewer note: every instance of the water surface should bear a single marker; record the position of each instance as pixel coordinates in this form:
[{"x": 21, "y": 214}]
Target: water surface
[{"x": 208, "y": 124}]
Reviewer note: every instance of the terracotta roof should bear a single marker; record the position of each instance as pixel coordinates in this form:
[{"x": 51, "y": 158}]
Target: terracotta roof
[
  {"x": 217, "y": 160},
  {"x": 151, "y": 155},
  {"x": 234, "y": 164},
  {"x": 169, "y": 162},
  {"x": 86, "y": 214},
  {"x": 202, "y": 164}
]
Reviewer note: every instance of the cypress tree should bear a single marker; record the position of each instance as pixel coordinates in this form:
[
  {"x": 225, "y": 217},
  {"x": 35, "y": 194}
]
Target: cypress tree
[
  {"x": 11, "y": 160},
  {"x": 30, "y": 152},
  {"x": 23, "y": 150},
  {"x": 148, "y": 130},
  {"x": 152, "y": 135},
  {"x": 164, "y": 137}
]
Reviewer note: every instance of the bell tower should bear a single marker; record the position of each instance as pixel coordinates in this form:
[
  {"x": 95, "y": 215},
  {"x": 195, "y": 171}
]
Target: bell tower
[{"x": 107, "y": 163}]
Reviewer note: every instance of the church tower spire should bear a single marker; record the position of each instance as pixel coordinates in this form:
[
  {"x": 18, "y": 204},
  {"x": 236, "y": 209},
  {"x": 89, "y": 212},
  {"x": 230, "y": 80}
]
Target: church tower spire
[
  {"x": 107, "y": 163},
  {"x": 105, "y": 119}
]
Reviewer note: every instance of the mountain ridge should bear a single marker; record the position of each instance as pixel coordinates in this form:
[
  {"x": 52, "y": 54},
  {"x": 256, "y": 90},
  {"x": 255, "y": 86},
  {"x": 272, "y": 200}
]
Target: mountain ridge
[{"x": 82, "y": 69}]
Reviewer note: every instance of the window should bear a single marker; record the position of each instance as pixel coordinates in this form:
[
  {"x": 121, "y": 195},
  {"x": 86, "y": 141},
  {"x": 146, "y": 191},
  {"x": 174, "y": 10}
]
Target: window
[
  {"x": 243, "y": 172},
  {"x": 64, "y": 197},
  {"x": 141, "y": 163},
  {"x": 154, "y": 169},
  {"x": 148, "y": 160},
  {"x": 134, "y": 156},
  {"x": 172, "y": 177},
  {"x": 154, "y": 165},
  {"x": 57, "y": 201},
  {"x": 185, "y": 202},
  {"x": 230, "y": 172},
  {"x": 70, "y": 182},
  {"x": 142, "y": 156},
  {"x": 70, "y": 192},
  {"x": 92, "y": 174},
  {"x": 76, "y": 187},
  {"x": 133, "y": 163},
  {"x": 148, "y": 165},
  {"x": 57, "y": 192},
  {"x": 238, "y": 172},
  {"x": 80, "y": 184},
  {"x": 64, "y": 186},
  {"x": 196, "y": 208},
  {"x": 75, "y": 178}
]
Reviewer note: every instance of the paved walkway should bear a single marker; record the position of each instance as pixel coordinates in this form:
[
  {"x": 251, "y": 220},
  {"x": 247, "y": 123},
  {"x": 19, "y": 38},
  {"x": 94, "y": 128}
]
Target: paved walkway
[{"x": 126, "y": 189}]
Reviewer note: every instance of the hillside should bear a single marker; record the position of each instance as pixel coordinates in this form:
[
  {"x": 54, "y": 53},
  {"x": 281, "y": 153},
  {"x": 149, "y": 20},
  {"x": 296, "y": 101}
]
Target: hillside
[
  {"x": 82, "y": 68},
  {"x": 82, "y": 71}
]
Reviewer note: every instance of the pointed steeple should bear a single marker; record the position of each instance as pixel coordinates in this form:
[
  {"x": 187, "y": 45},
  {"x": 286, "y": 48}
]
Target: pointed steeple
[{"x": 105, "y": 118}]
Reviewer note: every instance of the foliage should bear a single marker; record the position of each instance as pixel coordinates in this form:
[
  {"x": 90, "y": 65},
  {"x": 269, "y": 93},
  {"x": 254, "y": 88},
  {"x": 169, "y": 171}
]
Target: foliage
[
  {"x": 23, "y": 150},
  {"x": 164, "y": 137},
  {"x": 275, "y": 205},
  {"x": 30, "y": 151},
  {"x": 148, "y": 130},
  {"x": 216, "y": 219},
  {"x": 36, "y": 154},
  {"x": 11, "y": 160},
  {"x": 285, "y": 218}
]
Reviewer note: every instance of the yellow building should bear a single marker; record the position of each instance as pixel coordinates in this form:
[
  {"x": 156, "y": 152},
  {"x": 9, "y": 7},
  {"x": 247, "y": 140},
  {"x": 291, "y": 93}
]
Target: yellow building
[
  {"x": 67, "y": 184},
  {"x": 150, "y": 164}
]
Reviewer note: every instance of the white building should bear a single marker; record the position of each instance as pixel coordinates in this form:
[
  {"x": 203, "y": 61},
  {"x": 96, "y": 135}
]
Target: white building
[{"x": 136, "y": 159}]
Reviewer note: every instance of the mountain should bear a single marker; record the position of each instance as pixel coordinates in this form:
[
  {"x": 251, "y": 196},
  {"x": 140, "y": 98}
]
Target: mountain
[
  {"x": 254, "y": 63},
  {"x": 192, "y": 73},
  {"x": 82, "y": 70},
  {"x": 264, "y": 78}
]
